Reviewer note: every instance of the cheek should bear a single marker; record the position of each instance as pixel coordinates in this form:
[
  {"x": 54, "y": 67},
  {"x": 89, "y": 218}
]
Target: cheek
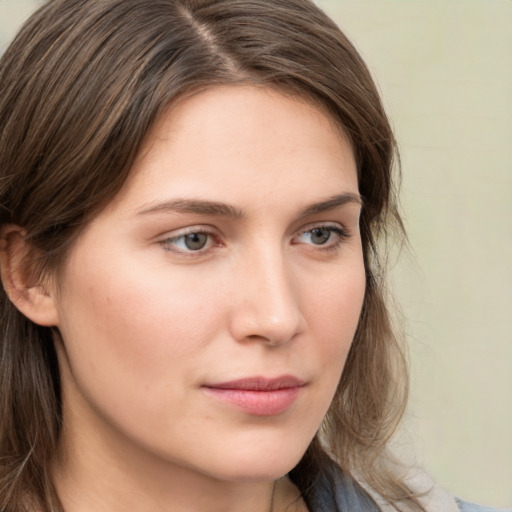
[
  {"x": 126, "y": 331},
  {"x": 336, "y": 308},
  {"x": 333, "y": 316},
  {"x": 133, "y": 348}
]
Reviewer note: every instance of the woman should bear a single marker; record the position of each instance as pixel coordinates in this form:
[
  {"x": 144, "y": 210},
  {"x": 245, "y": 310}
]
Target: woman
[{"x": 194, "y": 194}]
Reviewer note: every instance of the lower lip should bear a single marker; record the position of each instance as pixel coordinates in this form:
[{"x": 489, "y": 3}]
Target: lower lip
[{"x": 257, "y": 403}]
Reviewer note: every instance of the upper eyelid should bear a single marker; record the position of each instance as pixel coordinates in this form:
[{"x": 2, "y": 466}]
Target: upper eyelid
[
  {"x": 325, "y": 224},
  {"x": 167, "y": 238},
  {"x": 342, "y": 234},
  {"x": 178, "y": 233}
]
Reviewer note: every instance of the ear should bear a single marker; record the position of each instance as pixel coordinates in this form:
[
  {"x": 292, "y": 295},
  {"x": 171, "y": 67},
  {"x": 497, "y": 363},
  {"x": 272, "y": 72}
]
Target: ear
[{"x": 35, "y": 299}]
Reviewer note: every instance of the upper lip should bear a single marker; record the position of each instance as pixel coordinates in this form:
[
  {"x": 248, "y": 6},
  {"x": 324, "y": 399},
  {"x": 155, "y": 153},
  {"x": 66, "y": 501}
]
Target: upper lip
[{"x": 260, "y": 383}]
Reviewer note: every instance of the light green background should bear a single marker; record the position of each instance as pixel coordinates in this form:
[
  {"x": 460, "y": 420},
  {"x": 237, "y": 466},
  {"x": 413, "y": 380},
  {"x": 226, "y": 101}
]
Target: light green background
[{"x": 445, "y": 72}]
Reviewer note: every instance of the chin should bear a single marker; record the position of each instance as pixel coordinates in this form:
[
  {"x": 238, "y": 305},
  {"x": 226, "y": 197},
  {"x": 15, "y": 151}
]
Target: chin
[{"x": 260, "y": 465}]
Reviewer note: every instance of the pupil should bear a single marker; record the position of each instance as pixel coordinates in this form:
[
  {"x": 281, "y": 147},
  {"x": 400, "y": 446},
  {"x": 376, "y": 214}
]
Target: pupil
[
  {"x": 195, "y": 241},
  {"x": 320, "y": 236}
]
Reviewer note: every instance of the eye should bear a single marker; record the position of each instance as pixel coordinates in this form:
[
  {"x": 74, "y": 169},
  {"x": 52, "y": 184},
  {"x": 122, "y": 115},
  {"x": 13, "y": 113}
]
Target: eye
[
  {"x": 327, "y": 236},
  {"x": 319, "y": 236},
  {"x": 193, "y": 241}
]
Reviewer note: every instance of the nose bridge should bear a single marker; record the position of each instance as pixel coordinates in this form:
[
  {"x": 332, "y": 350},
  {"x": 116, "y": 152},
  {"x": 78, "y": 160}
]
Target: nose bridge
[{"x": 269, "y": 306}]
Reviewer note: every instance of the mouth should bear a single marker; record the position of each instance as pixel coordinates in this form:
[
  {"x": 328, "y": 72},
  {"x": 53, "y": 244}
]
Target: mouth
[{"x": 258, "y": 396}]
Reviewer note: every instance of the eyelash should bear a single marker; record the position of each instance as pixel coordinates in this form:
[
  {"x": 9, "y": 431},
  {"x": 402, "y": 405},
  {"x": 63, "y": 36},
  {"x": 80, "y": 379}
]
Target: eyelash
[
  {"x": 167, "y": 243},
  {"x": 342, "y": 235}
]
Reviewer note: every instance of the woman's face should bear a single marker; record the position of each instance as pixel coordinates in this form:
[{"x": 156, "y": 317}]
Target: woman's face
[{"x": 207, "y": 312}]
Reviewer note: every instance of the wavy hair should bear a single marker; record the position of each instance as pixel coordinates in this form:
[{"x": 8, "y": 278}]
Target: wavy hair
[{"x": 80, "y": 87}]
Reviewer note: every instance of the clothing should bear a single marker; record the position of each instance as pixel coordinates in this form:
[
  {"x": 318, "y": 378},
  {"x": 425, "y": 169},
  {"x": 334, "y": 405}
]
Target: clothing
[
  {"x": 465, "y": 506},
  {"x": 336, "y": 492}
]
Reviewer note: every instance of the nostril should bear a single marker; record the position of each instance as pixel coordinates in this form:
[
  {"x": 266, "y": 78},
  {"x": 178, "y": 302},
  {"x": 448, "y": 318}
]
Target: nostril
[{"x": 250, "y": 323}]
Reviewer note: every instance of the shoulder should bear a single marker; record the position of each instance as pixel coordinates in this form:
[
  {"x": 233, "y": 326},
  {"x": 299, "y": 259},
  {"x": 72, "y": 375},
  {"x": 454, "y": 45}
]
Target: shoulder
[
  {"x": 465, "y": 506},
  {"x": 336, "y": 491},
  {"x": 435, "y": 498}
]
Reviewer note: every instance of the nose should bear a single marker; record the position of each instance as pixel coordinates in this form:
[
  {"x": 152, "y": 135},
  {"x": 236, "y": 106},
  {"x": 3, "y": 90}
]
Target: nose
[{"x": 266, "y": 305}]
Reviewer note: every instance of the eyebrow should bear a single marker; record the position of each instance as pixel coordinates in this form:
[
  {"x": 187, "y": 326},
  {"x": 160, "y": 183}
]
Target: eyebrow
[
  {"x": 333, "y": 202},
  {"x": 197, "y": 206},
  {"x": 218, "y": 209}
]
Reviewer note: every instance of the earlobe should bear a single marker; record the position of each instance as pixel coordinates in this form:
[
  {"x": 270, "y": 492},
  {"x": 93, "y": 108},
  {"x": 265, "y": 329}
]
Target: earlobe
[{"x": 35, "y": 299}]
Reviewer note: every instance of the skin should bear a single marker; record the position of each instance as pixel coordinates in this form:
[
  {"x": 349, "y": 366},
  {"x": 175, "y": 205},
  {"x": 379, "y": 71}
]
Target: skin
[{"x": 144, "y": 322}]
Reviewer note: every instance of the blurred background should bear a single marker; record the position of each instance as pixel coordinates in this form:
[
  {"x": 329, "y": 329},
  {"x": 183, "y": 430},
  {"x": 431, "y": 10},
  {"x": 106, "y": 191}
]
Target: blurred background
[{"x": 445, "y": 72}]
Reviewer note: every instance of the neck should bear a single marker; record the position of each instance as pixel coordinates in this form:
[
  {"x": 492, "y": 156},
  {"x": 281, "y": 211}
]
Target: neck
[
  {"x": 79, "y": 495},
  {"x": 86, "y": 481},
  {"x": 92, "y": 474}
]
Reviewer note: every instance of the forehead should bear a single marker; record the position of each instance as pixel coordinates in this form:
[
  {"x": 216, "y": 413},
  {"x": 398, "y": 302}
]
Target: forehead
[{"x": 229, "y": 140}]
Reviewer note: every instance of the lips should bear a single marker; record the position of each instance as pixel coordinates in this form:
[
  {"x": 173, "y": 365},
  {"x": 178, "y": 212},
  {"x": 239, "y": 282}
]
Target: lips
[{"x": 258, "y": 396}]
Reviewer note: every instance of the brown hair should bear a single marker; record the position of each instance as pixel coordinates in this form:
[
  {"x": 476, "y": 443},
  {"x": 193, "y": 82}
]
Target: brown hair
[{"x": 80, "y": 87}]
